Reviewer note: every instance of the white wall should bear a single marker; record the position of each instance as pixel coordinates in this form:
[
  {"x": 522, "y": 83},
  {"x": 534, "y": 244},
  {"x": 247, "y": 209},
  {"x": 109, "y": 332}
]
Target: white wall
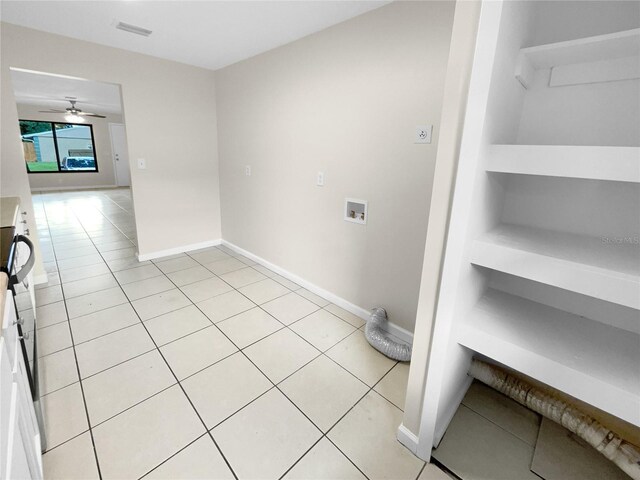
[
  {"x": 102, "y": 140},
  {"x": 344, "y": 101},
  {"x": 169, "y": 111}
]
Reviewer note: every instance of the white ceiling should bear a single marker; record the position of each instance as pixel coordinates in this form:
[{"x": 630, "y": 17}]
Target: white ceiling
[
  {"x": 48, "y": 91},
  {"x": 209, "y": 34}
]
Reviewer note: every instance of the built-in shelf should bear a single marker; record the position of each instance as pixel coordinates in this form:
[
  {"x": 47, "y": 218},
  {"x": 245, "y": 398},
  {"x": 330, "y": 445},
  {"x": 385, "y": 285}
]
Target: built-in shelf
[
  {"x": 588, "y": 360},
  {"x": 603, "y": 268},
  {"x": 599, "y": 58},
  {"x": 620, "y": 164}
]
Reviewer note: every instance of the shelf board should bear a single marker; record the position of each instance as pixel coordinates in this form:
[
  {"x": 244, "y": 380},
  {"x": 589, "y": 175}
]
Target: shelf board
[
  {"x": 590, "y": 361},
  {"x": 607, "y": 50},
  {"x": 593, "y": 266},
  {"x": 621, "y": 164}
]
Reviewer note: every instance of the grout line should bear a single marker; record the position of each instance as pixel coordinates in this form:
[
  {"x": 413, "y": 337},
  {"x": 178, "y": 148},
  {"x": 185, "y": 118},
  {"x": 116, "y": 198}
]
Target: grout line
[
  {"x": 323, "y": 434},
  {"x": 303, "y": 455},
  {"x": 267, "y": 377},
  {"x": 421, "y": 470},
  {"x": 84, "y": 401},
  {"x": 178, "y": 381},
  {"x": 239, "y": 350},
  {"x": 179, "y": 451},
  {"x": 188, "y": 399},
  {"x": 447, "y": 470},
  {"x": 101, "y": 422}
]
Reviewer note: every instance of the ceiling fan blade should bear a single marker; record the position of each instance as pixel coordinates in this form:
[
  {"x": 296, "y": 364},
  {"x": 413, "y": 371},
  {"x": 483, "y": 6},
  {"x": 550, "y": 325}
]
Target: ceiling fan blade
[
  {"x": 88, "y": 114},
  {"x": 52, "y": 111}
]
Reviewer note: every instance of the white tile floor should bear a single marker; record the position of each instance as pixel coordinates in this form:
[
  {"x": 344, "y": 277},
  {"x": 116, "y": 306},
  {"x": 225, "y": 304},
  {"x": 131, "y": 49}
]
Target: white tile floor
[{"x": 202, "y": 365}]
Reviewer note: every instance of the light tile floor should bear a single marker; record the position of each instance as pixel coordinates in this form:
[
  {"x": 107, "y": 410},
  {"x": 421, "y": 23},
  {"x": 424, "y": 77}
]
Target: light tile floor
[
  {"x": 200, "y": 365},
  {"x": 493, "y": 437}
]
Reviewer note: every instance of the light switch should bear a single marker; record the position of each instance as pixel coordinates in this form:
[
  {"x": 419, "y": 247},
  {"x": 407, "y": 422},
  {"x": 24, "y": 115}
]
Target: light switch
[
  {"x": 247, "y": 170},
  {"x": 142, "y": 163},
  {"x": 320, "y": 179},
  {"x": 423, "y": 134}
]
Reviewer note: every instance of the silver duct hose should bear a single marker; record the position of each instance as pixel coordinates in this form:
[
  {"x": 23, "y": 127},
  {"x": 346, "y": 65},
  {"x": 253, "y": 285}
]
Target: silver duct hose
[
  {"x": 624, "y": 454},
  {"x": 376, "y": 337}
]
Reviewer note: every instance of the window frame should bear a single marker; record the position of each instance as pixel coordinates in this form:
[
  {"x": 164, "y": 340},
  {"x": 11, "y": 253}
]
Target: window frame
[{"x": 55, "y": 144}]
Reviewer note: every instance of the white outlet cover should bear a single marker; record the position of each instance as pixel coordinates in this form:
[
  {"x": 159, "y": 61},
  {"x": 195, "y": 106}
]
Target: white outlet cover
[
  {"x": 247, "y": 170},
  {"x": 320, "y": 179},
  {"x": 423, "y": 133},
  {"x": 142, "y": 163}
]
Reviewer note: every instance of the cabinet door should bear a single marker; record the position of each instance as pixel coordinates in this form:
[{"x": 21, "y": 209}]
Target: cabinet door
[
  {"x": 9, "y": 330},
  {"x": 17, "y": 467},
  {"x": 6, "y": 412},
  {"x": 27, "y": 421},
  {"x": 20, "y": 456}
]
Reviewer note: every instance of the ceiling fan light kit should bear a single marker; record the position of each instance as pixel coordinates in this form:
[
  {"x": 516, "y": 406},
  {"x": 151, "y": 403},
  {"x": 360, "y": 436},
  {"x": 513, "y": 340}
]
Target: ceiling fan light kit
[{"x": 74, "y": 113}]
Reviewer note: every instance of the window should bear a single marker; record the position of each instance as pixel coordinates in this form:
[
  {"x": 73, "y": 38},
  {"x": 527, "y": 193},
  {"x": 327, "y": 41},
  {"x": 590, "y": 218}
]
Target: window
[{"x": 58, "y": 147}]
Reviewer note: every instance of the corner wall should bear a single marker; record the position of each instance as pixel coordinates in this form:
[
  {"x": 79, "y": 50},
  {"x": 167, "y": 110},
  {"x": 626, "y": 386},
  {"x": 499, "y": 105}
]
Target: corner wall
[
  {"x": 169, "y": 111},
  {"x": 344, "y": 101}
]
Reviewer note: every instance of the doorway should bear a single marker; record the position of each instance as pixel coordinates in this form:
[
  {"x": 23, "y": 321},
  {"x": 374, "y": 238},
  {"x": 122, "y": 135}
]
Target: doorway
[
  {"x": 65, "y": 127},
  {"x": 120, "y": 154}
]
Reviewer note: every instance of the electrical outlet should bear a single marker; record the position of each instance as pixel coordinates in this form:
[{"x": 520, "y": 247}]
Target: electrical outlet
[
  {"x": 320, "y": 179},
  {"x": 423, "y": 134},
  {"x": 247, "y": 170},
  {"x": 142, "y": 163}
]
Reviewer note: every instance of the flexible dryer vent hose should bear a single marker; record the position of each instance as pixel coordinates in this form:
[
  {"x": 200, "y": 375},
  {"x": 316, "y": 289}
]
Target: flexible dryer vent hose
[
  {"x": 622, "y": 453},
  {"x": 378, "y": 340}
]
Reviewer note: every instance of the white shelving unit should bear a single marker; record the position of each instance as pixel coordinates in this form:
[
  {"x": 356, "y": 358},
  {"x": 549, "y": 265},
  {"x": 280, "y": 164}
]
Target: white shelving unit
[
  {"x": 600, "y": 58},
  {"x": 621, "y": 164},
  {"x": 562, "y": 350},
  {"x": 578, "y": 263},
  {"x": 541, "y": 273}
]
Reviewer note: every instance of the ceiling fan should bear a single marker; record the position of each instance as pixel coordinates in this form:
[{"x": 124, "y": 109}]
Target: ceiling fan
[{"x": 73, "y": 111}]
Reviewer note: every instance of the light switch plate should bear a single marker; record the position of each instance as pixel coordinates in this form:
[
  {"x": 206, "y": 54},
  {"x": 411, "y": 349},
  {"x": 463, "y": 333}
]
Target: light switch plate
[
  {"x": 320, "y": 179},
  {"x": 247, "y": 170},
  {"x": 142, "y": 163},
  {"x": 423, "y": 133}
]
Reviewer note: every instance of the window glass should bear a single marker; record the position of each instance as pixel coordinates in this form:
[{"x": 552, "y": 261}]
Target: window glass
[
  {"x": 57, "y": 147},
  {"x": 38, "y": 146},
  {"x": 75, "y": 147}
]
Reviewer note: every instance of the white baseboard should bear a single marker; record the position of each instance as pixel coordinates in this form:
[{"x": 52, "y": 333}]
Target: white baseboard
[
  {"x": 64, "y": 189},
  {"x": 408, "y": 439},
  {"x": 176, "y": 250},
  {"x": 393, "y": 329}
]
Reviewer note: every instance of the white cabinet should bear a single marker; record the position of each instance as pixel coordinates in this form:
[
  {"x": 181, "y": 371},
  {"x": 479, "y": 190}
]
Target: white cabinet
[{"x": 19, "y": 436}]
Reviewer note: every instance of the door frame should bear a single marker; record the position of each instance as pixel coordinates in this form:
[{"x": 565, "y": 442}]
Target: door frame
[{"x": 113, "y": 155}]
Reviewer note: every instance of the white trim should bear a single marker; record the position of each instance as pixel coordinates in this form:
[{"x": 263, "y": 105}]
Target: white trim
[
  {"x": 176, "y": 250},
  {"x": 393, "y": 329},
  {"x": 449, "y": 411},
  {"x": 116, "y": 178},
  {"x": 443, "y": 357},
  {"x": 55, "y": 189},
  {"x": 408, "y": 439},
  {"x": 40, "y": 279}
]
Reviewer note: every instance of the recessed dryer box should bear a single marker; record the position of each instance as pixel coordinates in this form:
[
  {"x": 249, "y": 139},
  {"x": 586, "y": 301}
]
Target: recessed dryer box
[{"x": 355, "y": 210}]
